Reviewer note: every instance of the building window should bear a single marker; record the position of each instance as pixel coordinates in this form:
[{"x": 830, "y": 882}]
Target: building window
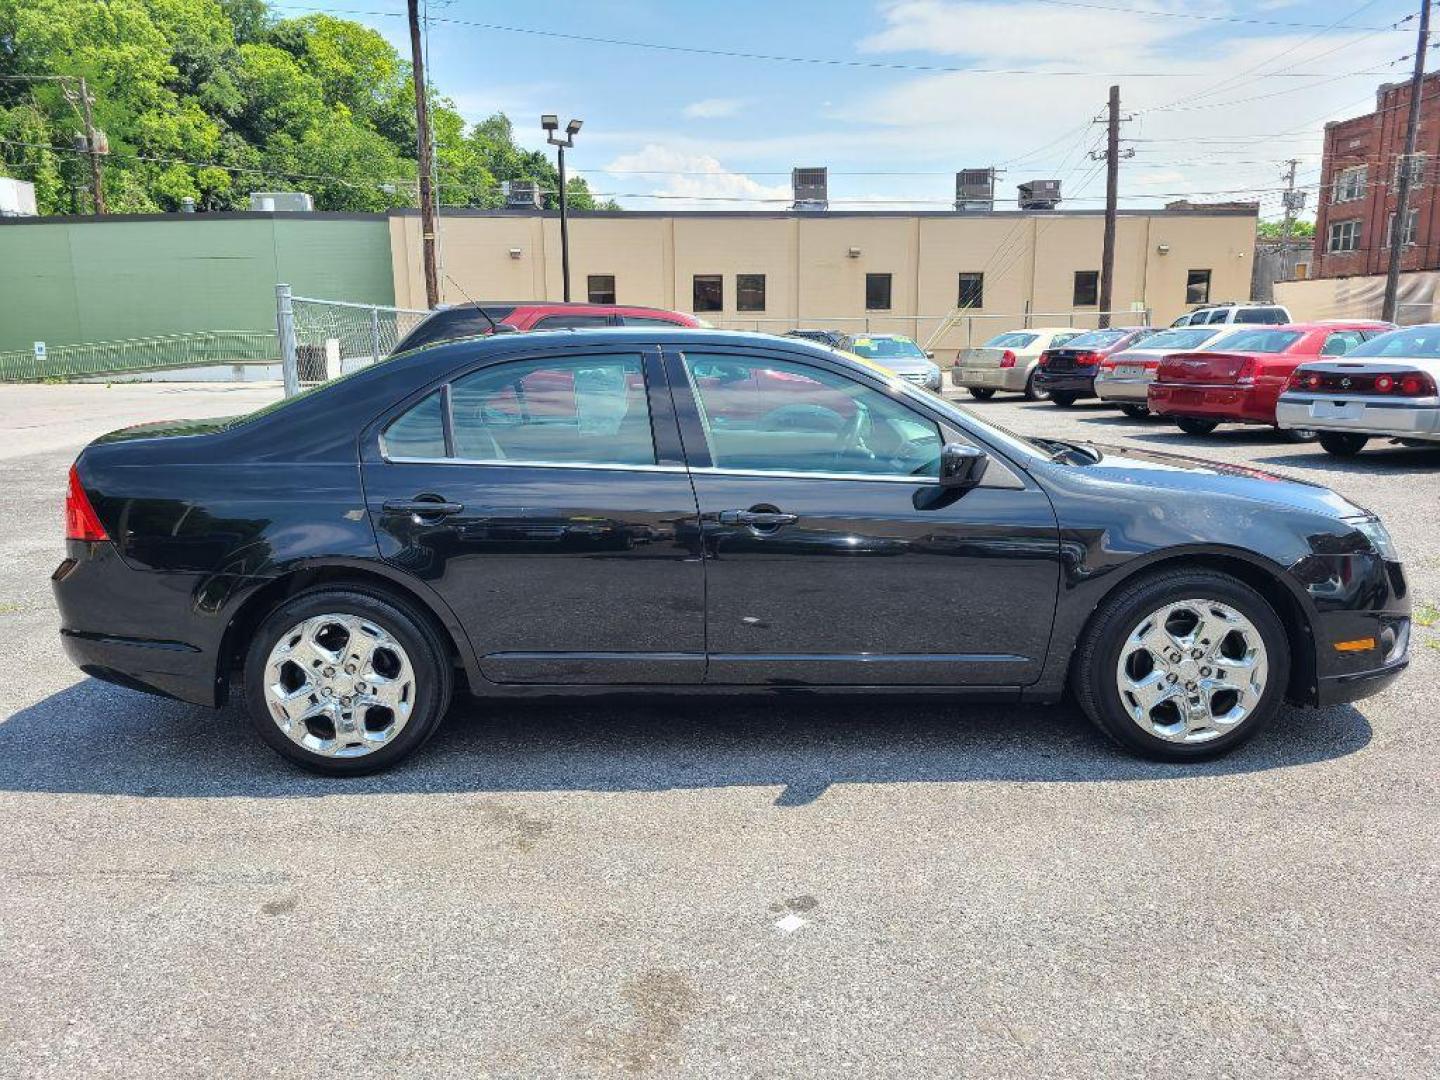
[
  {"x": 877, "y": 292},
  {"x": 1417, "y": 169},
  {"x": 600, "y": 288},
  {"x": 749, "y": 292},
  {"x": 1349, "y": 184},
  {"x": 1197, "y": 287},
  {"x": 1412, "y": 219},
  {"x": 1344, "y": 236},
  {"x": 1087, "y": 288},
  {"x": 972, "y": 291},
  {"x": 709, "y": 293}
]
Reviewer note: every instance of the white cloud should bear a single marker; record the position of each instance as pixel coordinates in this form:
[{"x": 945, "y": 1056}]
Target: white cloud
[
  {"x": 688, "y": 181},
  {"x": 712, "y": 108}
]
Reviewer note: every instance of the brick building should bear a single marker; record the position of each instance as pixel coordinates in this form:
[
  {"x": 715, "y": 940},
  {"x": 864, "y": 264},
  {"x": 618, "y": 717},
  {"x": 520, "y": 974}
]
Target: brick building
[{"x": 1358, "y": 180}]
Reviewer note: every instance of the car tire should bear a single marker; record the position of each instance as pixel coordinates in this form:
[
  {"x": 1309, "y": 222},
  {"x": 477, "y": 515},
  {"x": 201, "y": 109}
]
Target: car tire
[
  {"x": 323, "y": 667},
  {"x": 1342, "y": 443},
  {"x": 1136, "y": 412},
  {"x": 982, "y": 393},
  {"x": 1033, "y": 392},
  {"x": 1193, "y": 425},
  {"x": 1062, "y": 398},
  {"x": 1109, "y": 671}
]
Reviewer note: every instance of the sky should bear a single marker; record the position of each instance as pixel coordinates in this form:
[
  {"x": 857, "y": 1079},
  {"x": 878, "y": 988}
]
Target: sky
[{"x": 894, "y": 96}]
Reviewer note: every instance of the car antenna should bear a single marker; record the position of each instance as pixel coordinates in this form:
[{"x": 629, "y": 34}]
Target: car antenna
[{"x": 494, "y": 326}]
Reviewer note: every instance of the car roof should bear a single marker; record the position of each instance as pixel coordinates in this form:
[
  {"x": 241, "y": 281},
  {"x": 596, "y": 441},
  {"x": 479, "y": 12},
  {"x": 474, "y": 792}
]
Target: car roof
[{"x": 1328, "y": 324}]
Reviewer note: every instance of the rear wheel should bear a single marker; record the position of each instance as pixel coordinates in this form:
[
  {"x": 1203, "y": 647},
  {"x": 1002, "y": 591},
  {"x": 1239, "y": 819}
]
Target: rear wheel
[
  {"x": 1342, "y": 443},
  {"x": 1063, "y": 398},
  {"x": 1182, "y": 666},
  {"x": 982, "y": 393},
  {"x": 1192, "y": 425},
  {"x": 344, "y": 682},
  {"x": 1298, "y": 434},
  {"x": 1033, "y": 392},
  {"x": 1139, "y": 412}
]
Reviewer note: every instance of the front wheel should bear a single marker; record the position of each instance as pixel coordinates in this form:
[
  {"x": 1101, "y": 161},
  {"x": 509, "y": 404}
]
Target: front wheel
[
  {"x": 1182, "y": 666},
  {"x": 1194, "y": 426},
  {"x": 1299, "y": 434},
  {"x": 344, "y": 682},
  {"x": 982, "y": 393},
  {"x": 1033, "y": 392},
  {"x": 1138, "y": 412},
  {"x": 1063, "y": 399},
  {"x": 1342, "y": 443}
]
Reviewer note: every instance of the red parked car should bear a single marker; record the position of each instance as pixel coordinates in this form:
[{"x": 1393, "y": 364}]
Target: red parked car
[
  {"x": 1239, "y": 377},
  {"x": 472, "y": 320}
]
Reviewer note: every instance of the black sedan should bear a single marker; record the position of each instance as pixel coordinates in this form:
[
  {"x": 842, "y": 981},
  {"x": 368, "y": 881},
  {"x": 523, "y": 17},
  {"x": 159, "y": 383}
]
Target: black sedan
[{"x": 560, "y": 512}]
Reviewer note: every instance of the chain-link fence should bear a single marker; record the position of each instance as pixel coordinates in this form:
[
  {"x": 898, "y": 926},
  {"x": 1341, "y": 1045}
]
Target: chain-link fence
[
  {"x": 322, "y": 339},
  {"x": 131, "y": 356}
]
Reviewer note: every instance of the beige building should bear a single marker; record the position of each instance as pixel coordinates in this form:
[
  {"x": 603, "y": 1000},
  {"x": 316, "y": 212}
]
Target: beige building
[{"x": 901, "y": 272}]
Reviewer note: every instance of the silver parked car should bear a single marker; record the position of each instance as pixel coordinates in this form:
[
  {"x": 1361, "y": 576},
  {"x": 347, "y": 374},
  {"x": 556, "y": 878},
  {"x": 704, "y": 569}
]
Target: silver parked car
[
  {"x": 898, "y": 353},
  {"x": 1124, "y": 378},
  {"x": 1007, "y": 362},
  {"x": 1387, "y": 387}
]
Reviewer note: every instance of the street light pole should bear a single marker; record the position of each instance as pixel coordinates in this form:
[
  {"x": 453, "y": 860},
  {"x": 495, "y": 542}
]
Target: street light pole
[{"x": 550, "y": 122}]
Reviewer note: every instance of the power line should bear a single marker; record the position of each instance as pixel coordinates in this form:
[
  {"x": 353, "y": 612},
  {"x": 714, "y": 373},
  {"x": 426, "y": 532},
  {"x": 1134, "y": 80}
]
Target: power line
[{"x": 1398, "y": 25}]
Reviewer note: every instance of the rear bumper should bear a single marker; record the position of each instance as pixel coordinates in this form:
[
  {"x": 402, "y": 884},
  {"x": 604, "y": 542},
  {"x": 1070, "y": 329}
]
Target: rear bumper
[
  {"x": 1237, "y": 404},
  {"x": 169, "y": 668},
  {"x": 1079, "y": 383},
  {"x": 1127, "y": 389},
  {"x": 1013, "y": 378},
  {"x": 1419, "y": 419}
]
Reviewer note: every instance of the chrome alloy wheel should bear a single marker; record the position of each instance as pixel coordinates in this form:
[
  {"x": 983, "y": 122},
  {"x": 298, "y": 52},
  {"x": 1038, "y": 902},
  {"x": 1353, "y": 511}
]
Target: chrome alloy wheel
[
  {"x": 339, "y": 685},
  {"x": 1192, "y": 670}
]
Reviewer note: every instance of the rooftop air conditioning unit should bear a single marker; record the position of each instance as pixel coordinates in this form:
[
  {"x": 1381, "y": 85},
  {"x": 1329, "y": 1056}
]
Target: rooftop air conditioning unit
[
  {"x": 975, "y": 189},
  {"x": 522, "y": 195},
  {"x": 292, "y": 202},
  {"x": 811, "y": 188},
  {"x": 17, "y": 198},
  {"x": 1040, "y": 195}
]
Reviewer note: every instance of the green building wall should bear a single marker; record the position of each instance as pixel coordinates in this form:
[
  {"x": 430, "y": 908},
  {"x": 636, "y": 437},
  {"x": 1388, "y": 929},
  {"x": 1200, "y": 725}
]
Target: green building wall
[{"x": 71, "y": 280}]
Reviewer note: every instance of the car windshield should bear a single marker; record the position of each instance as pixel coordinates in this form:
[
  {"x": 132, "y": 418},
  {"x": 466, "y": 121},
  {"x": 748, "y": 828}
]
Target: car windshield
[
  {"x": 886, "y": 348},
  {"x": 1186, "y": 337},
  {"x": 1255, "y": 341},
  {"x": 1012, "y": 340},
  {"x": 1422, "y": 342},
  {"x": 1096, "y": 339}
]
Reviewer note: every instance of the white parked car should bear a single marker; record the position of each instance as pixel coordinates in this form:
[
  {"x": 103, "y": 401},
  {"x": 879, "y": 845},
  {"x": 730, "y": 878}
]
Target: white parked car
[
  {"x": 1224, "y": 314},
  {"x": 1007, "y": 362},
  {"x": 1125, "y": 377},
  {"x": 1386, "y": 387}
]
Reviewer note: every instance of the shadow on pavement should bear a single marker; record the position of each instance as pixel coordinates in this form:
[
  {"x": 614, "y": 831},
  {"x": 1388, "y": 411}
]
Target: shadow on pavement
[
  {"x": 98, "y": 739},
  {"x": 1378, "y": 459}
]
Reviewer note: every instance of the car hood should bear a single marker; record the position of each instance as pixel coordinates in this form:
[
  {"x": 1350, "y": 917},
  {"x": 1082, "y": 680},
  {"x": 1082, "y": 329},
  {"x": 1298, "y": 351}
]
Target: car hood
[{"x": 1194, "y": 476}]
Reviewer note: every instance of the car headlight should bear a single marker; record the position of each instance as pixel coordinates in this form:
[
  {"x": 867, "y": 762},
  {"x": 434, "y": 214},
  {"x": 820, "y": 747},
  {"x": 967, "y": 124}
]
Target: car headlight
[{"x": 1379, "y": 537}]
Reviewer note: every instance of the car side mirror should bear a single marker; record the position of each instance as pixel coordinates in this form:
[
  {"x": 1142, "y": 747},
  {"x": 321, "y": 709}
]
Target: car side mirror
[
  {"x": 930, "y": 354},
  {"x": 962, "y": 467}
]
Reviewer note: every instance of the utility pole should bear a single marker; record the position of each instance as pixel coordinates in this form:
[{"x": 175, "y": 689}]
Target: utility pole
[
  {"x": 97, "y": 186},
  {"x": 1112, "y": 193},
  {"x": 423, "y": 159},
  {"x": 1291, "y": 204},
  {"x": 1402, "y": 193}
]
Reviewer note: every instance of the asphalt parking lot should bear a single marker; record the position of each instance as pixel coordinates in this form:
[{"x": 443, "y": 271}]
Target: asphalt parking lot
[{"x": 749, "y": 888}]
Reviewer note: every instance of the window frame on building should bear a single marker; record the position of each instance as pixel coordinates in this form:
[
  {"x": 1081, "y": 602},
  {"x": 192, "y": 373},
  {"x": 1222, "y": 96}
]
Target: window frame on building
[
  {"x": 1353, "y": 225},
  {"x": 591, "y": 291},
  {"x": 745, "y": 288},
  {"x": 715, "y": 280},
  {"x": 872, "y": 282},
  {"x": 1193, "y": 280},
  {"x": 1349, "y": 184},
  {"x": 1091, "y": 289},
  {"x": 1412, "y": 227},
  {"x": 975, "y": 279},
  {"x": 1417, "y": 169}
]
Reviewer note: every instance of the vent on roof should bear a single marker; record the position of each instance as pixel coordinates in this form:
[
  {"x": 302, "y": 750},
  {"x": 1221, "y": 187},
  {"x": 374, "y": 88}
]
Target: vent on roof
[
  {"x": 975, "y": 189},
  {"x": 811, "y": 188},
  {"x": 1040, "y": 195},
  {"x": 298, "y": 202},
  {"x": 522, "y": 195}
]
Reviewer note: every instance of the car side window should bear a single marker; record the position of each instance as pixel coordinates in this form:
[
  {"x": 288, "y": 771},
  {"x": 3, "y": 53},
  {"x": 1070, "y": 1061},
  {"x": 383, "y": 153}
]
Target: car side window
[
  {"x": 1340, "y": 342},
  {"x": 572, "y": 322},
  {"x": 575, "y": 410},
  {"x": 1219, "y": 315},
  {"x": 650, "y": 320},
  {"x": 763, "y": 415}
]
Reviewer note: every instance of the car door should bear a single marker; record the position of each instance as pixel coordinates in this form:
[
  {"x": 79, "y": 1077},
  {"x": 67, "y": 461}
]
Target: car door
[
  {"x": 832, "y": 554},
  {"x": 547, "y": 501}
]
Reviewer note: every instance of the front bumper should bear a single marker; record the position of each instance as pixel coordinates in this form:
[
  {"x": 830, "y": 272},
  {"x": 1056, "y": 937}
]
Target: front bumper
[
  {"x": 930, "y": 380},
  {"x": 991, "y": 378},
  {"x": 1412, "y": 419},
  {"x": 1079, "y": 383},
  {"x": 1361, "y": 624}
]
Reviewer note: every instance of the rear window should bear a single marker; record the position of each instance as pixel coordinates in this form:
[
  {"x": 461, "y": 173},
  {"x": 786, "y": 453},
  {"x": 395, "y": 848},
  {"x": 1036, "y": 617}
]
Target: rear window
[
  {"x": 1256, "y": 341},
  {"x": 1096, "y": 339},
  {"x": 1187, "y": 337},
  {"x": 1274, "y": 316},
  {"x": 447, "y": 324},
  {"x": 1011, "y": 340},
  {"x": 1421, "y": 342}
]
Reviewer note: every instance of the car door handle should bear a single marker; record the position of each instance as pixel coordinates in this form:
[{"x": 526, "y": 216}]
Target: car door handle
[
  {"x": 760, "y": 519},
  {"x": 423, "y": 507}
]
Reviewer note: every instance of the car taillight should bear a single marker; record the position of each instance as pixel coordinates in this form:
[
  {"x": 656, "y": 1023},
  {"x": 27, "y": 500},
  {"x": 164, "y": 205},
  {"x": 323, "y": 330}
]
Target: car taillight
[
  {"x": 1007, "y": 359},
  {"x": 81, "y": 522},
  {"x": 1417, "y": 384},
  {"x": 1107, "y": 365},
  {"x": 1400, "y": 383},
  {"x": 1045, "y": 358},
  {"x": 1087, "y": 359},
  {"x": 1246, "y": 371}
]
